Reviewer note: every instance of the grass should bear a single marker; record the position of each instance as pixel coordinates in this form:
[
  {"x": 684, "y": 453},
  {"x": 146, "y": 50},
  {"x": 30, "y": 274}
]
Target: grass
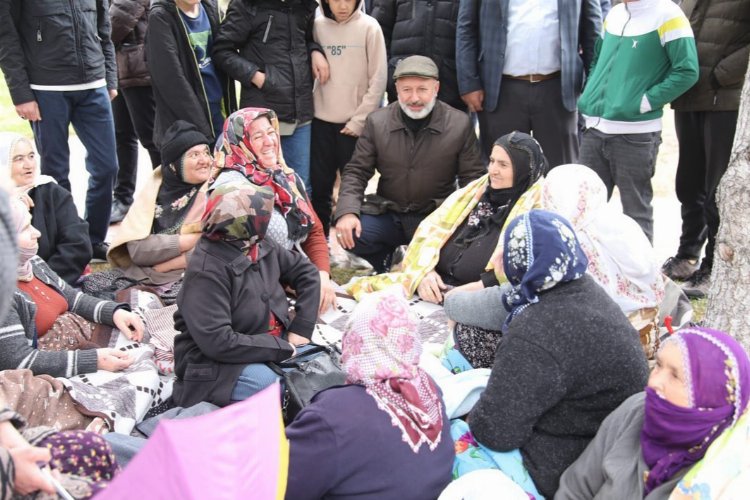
[{"x": 9, "y": 120}]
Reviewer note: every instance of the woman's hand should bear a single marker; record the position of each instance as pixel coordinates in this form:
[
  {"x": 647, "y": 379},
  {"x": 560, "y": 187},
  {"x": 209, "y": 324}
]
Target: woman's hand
[
  {"x": 327, "y": 292},
  {"x": 29, "y": 478},
  {"x": 112, "y": 360},
  {"x": 320, "y": 68},
  {"x": 129, "y": 323},
  {"x": 431, "y": 288},
  {"x": 22, "y": 193},
  {"x": 296, "y": 340},
  {"x": 468, "y": 287},
  {"x": 179, "y": 262},
  {"x": 349, "y": 132},
  {"x": 188, "y": 241}
]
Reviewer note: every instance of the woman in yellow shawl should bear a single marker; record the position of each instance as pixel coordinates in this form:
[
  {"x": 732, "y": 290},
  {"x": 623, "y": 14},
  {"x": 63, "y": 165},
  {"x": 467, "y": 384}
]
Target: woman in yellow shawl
[{"x": 456, "y": 243}]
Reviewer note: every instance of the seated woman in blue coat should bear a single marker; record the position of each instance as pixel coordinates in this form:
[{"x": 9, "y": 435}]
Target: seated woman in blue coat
[
  {"x": 233, "y": 313},
  {"x": 383, "y": 435}
]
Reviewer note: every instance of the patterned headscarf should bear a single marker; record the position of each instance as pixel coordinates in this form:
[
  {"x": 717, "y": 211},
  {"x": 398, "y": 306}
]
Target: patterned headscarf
[
  {"x": 621, "y": 259},
  {"x": 238, "y": 213},
  {"x": 381, "y": 350},
  {"x": 717, "y": 371},
  {"x": 235, "y": 152},
  {"x": 8, "y": 142},
  {"x": 541, "y": 251},
  {"x": 21, "y": 219}
]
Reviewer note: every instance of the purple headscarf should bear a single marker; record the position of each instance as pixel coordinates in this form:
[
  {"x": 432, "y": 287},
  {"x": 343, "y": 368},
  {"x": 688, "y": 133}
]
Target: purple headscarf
[{"x": 717, "y": 371}]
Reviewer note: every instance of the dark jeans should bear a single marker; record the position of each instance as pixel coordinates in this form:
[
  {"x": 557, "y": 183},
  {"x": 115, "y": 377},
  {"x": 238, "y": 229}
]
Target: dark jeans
[
  {"x": 627, "y": 161},
  {"x": 705, "y": 139},
  {"x": 382, "y": 234},
  {"x": 296, "y": 150},
  {"x": 329, "y": 152},
  {"x": 133, "y": 112},
  {"x": 90, "y": 113},
  {"x": 537, "y": 109}
]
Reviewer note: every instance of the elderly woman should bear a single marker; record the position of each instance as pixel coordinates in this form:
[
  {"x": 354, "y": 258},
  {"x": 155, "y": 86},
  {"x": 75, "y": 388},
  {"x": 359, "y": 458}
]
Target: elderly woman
[
  {"x": 250, "y": 149},
  {"x": 696, "y": 393},
  {"x": 47, "y": 311},
  {"x": 383, "y": 435},
  {"x": 233, "y": 313},
  {"x": 64, "y": 237},
  {"x": 621, "y": 260},
  {"x": 568, "y": 356},
  {"x": 162, "y": 227},
  {"x": 455, "y": 244}
]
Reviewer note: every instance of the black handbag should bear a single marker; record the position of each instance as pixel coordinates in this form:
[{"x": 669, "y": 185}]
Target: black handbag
[{"x": 305, "y": 375}]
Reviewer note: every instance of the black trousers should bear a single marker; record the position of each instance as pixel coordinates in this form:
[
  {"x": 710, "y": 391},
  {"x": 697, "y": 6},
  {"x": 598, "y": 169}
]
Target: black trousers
[
  {"x": 133, "y": 111},
  {"x": 536, "y": 109},
  {"x": 330, "y": 150},
  {"x": 705, "y": 139}
]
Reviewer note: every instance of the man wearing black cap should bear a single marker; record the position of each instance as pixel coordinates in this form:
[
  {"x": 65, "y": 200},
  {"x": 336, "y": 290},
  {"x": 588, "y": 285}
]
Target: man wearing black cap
[{"x": 421, "y": 147}]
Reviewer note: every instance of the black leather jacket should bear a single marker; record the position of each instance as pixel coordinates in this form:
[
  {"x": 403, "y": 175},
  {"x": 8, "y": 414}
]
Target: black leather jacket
[{"x": 55, "y": 42}]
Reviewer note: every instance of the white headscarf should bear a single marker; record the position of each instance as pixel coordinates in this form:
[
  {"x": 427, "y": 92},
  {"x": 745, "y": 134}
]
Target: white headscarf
[
  {"x": 8, "y": 141},
  {"x": 621, "y": 259}
]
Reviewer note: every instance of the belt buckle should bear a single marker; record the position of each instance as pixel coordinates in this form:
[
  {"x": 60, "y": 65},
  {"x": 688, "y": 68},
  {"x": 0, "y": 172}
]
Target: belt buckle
[{"x": 531, "y": 79}]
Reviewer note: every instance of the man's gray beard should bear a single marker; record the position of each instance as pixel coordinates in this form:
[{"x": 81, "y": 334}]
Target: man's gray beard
[{"x": 418, "y": 115}]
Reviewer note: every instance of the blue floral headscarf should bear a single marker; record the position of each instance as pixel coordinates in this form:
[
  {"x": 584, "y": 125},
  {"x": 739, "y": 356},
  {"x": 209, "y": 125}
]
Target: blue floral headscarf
[{"x": 541, "y": 251}]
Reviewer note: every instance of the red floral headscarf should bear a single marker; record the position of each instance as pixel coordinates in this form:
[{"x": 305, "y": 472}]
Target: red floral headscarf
[{"x": 235, "y": 152}]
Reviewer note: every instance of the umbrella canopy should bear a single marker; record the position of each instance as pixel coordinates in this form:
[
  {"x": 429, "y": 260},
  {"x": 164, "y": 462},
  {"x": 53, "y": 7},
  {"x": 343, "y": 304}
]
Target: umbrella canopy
[{"x": 240, "y": 451}]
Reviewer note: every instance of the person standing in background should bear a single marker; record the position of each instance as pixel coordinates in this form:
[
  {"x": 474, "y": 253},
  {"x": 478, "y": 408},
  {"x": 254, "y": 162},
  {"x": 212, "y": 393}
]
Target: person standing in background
[
  {"x": 705, "y": 121},
  {"x": 59, "y": 64},
  {"x": 425, "y": 28},
  {"x": 268, "y": 47},
  {"x": 355, "y": 52},
  {"x": 187, "y": 85},
  {"x": 134, "y": 108}
]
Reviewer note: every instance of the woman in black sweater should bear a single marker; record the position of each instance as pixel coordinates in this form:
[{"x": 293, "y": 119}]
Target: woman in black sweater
[{"x": 568, "y": 356}]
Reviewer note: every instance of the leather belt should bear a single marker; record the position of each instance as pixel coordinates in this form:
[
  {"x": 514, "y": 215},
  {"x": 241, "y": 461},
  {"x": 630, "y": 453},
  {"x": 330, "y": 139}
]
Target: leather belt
[{"x": 535, "y": 78}]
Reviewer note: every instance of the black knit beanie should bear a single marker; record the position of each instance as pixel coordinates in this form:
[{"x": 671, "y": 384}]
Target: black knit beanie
[{"x": 178, "y": 138}]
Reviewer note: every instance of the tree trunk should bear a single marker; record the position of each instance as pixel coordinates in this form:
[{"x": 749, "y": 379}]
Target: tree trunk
[{"x": 728, "y": 306}]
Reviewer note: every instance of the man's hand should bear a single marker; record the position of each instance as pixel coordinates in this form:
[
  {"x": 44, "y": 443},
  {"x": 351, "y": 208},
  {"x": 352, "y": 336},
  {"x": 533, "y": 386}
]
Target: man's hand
[
  {"x": 129, "y": 323},
  {"x": 29, "y": 478},
  {"x": 112, "y": 360},
  {"x": 112, "y": 94},
  {"x": 349, "y": 132},
  {"x": 346, "y": 228},
  {"x": 320, "y": 68},
  {"x": 431, "y": 288},
  {"x": 327, "y": 292},
  {"x": 474, "y": 100},
  {"x": 29, "y": 111},
  {"x": 258, "y": 79}
]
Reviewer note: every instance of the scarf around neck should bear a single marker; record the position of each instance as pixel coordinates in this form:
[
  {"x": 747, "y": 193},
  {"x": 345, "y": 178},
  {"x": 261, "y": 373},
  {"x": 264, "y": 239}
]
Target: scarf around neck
[
  {"x": 717, "y": 370},
  {"x": 541, "y": 251},
  {"x": 235, "y": 152},
  {"x": 381, "y": 350},
  {"x": 173, "y": 201},
  {"x": 21, "y": 218}
]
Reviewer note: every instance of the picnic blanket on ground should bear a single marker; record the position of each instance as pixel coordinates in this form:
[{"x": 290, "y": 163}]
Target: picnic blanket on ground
[
  {"x": 41, "y": 400},
  {"x": 123, "y": 398},
  {"x": 433, "y": 323}
]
